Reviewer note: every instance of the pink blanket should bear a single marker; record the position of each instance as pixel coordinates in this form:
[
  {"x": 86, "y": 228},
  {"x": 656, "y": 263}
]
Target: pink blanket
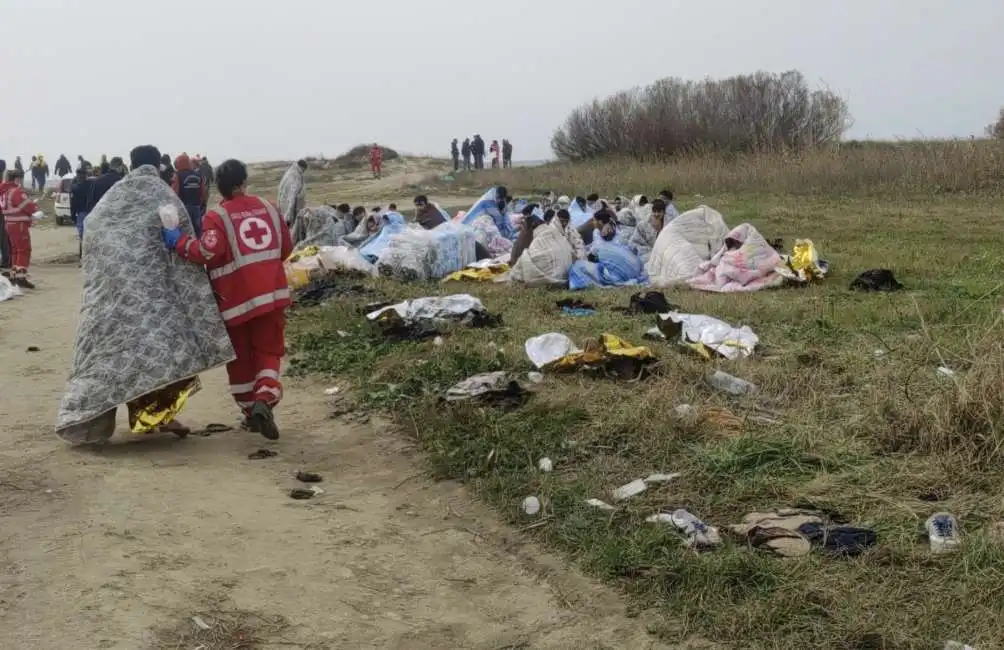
[{"x": 746, "y": 263}]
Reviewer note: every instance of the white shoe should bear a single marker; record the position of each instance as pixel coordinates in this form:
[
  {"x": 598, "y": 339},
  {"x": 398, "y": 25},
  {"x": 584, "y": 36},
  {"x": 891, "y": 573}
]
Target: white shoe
[{"x": 943, "y": 532}]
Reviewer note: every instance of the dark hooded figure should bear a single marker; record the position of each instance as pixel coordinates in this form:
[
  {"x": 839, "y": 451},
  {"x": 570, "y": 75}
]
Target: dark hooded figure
[
  {"x": 506, "y": 153},
  {"x": 455, "y": 154},
  {"x": 465, "y": 151},
  {"x": 100, "y": 185},
  {"x": 166, "y": 169},
  {"x": 478, "y": 151},
  {"x": 63, "y": 166}
]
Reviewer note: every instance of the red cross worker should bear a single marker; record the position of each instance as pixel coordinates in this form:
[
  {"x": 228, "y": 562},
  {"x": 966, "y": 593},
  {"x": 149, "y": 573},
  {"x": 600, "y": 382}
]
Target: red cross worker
[{"x": 243, "y": 245}]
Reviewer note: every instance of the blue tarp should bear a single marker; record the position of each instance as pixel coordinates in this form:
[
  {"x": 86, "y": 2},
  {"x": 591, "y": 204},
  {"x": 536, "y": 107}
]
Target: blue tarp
[
  {"x": 488, "y": 204},
  {"x": 579, "y": 216}
]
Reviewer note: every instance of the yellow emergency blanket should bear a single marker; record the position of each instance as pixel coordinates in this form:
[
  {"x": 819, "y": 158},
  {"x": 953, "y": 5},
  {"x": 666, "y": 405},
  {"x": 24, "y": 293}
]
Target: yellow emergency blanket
[
  {"x": 148, "y": 412},
  {"x": 803, "y": 265},
  {"x": 609, "y": 347},
  {"x": 482, "y": 274}
]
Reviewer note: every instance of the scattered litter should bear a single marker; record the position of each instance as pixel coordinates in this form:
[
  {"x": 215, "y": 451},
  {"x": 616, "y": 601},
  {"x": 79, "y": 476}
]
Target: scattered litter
[
  {"x": 708, "y": 336},
  {"x": 648, "y": 302},
  {"x": 334, "y": 390},
  {"x": 317, "y": 287},
  {"x": 700, "y": 536},
  {"x": 879, "y": 353},
  {"x": 876, "y": 280},
  {"x": 576, "y": 307},
  {"x": 658, "y": 479},
  {"x": 262, "y": 454},
  {"x": 301, "y": 494},
  {"x": 777, "y": 531},
  {"x": 417, "y": 319},
  {"x": 342, "y": 333},
  {"x": 946, "y": 372},
  {"x": 728, "y": 384},
  {"x": 201, "y": 624},
  {"x": 844, "y": 541},
  {"x": 487, "y": 270},
  {"x": 600, "y": 505},
  {"x": 438, "y": 341},
  {"x": 803, "y": 265},
  {"x": 531, "y": 505},
  {"x": 535, "y": 377},
  {"x": 629, "y": 490},
  {"x": 34, "y": 348},
  {"x": 660, "y": 518},
  {"x": 8, "y": 290},
  {"x": 497, "y": 388},
  {"x": 610, "y": 355},
  {"x": 545, "y": 465},
  {"x": 943, "y": 533},
  {"x": 309, "y": 477}
]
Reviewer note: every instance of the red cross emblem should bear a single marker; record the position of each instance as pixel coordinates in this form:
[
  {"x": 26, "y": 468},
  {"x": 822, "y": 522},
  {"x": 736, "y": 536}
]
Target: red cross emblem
[{"x": 255, "y": 234}]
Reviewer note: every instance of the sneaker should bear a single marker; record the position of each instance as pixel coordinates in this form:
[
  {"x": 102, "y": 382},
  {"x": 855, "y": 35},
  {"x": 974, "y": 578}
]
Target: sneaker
[
  {"x": 943, "y": 532},
  {"x": 260, "y": 420},
  {"x": 22, "y": 282}
]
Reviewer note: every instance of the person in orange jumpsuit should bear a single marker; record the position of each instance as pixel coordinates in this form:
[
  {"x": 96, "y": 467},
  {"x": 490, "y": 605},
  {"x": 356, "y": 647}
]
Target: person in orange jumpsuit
[
  {"x": 243, "y": 244},
  {"x": 376, "y": 160},
  {"x": 18, "y": 212}
]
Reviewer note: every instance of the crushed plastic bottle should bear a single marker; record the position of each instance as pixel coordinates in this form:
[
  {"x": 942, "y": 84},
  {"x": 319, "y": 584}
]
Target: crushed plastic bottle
[
  {"x": 700, "y": 536},
  {"x": 633, "y": 488},
  {"x": 531, "y": 505},
  {"x": 726, "y": 383}
]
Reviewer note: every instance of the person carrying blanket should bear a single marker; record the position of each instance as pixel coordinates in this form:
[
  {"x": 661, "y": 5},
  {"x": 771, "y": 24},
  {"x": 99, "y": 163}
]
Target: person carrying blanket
[
  {"x": 610, "y": 263},
  {"x": 243, "y": 245},
  {"x": 148, "y": 323},
  {"x": 292, "y": 193}
]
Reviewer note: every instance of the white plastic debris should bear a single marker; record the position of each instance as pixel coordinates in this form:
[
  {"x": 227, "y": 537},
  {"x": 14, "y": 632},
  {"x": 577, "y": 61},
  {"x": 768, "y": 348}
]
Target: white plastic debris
[
  {"x": 535, "y": 377},
  {"x": 334, "y": 390},
  {"x": 342, "y": 333},
  {"x": 660, "y": 518},
  {"x": 946, "y": 372},
  {"x": 719, "y": 336},
  {"x": 478, "y": 385},
  {"x": 548, "y": 348},
  {"x": 685, "y": 411},
  {"x": 728, "y": 384},
  {"x": 600, "y": 505},
  {"x": 433, "y": 307},
  {"x": 438, "y": 341},
  {"x": 700, "y": 536},
  {"x": 545, "y": 465},
  {"x": 201, "y": 624},
  {"x": 169, "y": 217},
  {"x": 658, "y": 479},
  {"x": 531, "y": 505},
  {"x": 629, "y": 490}
]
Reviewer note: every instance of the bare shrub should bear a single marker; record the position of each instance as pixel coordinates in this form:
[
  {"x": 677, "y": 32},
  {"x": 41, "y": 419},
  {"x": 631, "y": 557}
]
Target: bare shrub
[
  {"x": 744, "y": 114},
  {"x": 996, "y": 130}
]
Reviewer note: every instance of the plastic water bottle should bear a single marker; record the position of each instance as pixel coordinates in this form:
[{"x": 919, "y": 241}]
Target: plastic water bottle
[
  {"x": 726, "y": 383},
  {"x": 700, "y": 536}
]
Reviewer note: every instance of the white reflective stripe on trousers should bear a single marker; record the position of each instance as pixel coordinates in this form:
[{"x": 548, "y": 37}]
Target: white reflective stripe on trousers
[
  {"x": 268, "y": 374},
  {"x": 255, "y": 303},
  {"x": 237, "y": 389}
]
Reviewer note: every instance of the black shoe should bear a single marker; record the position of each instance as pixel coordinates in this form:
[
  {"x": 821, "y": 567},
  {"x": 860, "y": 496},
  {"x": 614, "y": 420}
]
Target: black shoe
[
  {"x": 260, "y": 420},
  {"x": 24, "y": 283}
]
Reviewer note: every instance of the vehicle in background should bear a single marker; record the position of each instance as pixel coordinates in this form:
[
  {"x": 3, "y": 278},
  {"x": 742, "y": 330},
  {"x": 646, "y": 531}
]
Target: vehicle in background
[{"x": 61, "y": 201}]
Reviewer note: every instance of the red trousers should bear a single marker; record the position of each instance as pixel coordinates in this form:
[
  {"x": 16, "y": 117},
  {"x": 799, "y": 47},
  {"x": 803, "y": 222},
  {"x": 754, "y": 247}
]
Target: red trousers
[
  {"x": 260, "y": 344},
  {"x": 19, "y": 238}
]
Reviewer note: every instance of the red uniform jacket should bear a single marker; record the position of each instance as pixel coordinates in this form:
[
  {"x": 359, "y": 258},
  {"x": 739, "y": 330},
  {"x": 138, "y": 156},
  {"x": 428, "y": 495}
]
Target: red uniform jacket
[
  {"x": 15, "y": 205},
  {"x": 244, "y": 242},
  {"x": 376, "y": 156}
]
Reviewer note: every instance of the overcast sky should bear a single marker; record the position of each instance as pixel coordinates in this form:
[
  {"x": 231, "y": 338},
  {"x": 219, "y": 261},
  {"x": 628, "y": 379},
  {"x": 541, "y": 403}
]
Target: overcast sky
[{"x": 267, "y": 79}]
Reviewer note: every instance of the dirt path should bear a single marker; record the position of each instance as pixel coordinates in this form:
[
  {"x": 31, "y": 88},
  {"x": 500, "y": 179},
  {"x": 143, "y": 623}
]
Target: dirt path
[{"x": 121, "y": 548}]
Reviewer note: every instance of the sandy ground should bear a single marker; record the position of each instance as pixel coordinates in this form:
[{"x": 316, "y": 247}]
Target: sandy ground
[{"x": 120, "y": 548}]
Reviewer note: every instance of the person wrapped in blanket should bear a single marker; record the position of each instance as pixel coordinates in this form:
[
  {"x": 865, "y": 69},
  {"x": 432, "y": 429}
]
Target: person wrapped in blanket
[
  {"x": 564, "y": 218},
  {"x": 647, "y": 231},
  {"x": 609, "y": 263},
  {"x": 430, "y": 216}
]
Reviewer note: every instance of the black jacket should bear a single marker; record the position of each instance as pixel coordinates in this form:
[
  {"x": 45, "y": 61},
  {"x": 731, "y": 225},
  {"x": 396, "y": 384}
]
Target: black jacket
[
  {"x": 80, "y": 194},
  {"x": 99, "y": 186},
  {"x": 63, "y": 167}
]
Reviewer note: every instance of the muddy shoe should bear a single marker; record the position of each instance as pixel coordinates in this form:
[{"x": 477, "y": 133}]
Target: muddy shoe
[
  {"x": 24, "y": 283},
  {"x": 260, "y": 420}
]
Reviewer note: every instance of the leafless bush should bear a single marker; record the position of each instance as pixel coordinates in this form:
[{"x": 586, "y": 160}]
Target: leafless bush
[
  {"x": 744, "y": 114},
  {"x": 996, "y": 130}
]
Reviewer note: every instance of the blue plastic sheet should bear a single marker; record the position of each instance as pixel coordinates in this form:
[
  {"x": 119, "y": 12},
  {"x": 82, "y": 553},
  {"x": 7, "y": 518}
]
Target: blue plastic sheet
[{"x": 391, "y": 223}]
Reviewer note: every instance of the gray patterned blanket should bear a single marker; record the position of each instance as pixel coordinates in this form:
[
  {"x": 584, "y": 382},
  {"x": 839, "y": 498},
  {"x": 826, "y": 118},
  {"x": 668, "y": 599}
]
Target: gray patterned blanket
[{"x": 147, "y": 318}]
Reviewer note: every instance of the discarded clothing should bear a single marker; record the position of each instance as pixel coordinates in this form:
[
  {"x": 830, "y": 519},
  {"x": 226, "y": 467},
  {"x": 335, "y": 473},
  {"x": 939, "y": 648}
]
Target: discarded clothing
[
  {"x": 708, "y": 336},
  {"x": 876, "y": 280},
  {"x": 845, "y": 541},
  {"x": 575, "y": 307},
  {"x": 147, "y": 318},
  {"x": 489, "y": 389},
  {"x": 330, "y": 284},
  {"x": 684, "y": 244},
  {"x": 453, "y": 307},
  {"x": 610, "y": 355},
  {"x": 777, "y": 531},
  {"x": 615, "y": 266},
  {"x": 746, "y": 262},
  {"x": 648, "y": 302}
]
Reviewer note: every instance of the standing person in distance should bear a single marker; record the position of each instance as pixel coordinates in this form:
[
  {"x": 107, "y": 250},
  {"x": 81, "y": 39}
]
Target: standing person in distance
[
  {"x": 18, "y": 213},
  {"x": 189, "y": 187},
  {"x": 243, "y": 244},
  {"x": 455, "y": 154},
  {"x": 465, "y": 151},
  {"x": 376, "y": 160},
  {"x": 506, "y": 153}
]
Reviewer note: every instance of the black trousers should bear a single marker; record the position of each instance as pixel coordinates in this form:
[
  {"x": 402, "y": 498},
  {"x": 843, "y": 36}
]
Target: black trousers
[{"x": 4, "y": 247}]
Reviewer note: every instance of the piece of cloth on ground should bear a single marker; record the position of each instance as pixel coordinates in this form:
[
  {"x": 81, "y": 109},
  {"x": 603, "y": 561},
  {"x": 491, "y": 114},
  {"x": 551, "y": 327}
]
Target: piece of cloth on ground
[
  {"x": 147, "y": 318},
  {"x": 609, "y": 356},
  {"x": 292, "y": 193},
  {"x": 745, "y": 262},
  {"x": 841, "y": 541},
  {"x": 488, "y": 205},
  {"x": 498, "y": 388},
  {"x": 708, "y": 336},
  {"x": 777, "y": 531},
  {"x": 452, "y": 307},
  {"x": 803, "y": 265},
  {"x": 547, "y": 260},
  {"x": 615, "y": 266},
  {"x": 876, "y": 280},
  {"x": 684, "y": 244}
]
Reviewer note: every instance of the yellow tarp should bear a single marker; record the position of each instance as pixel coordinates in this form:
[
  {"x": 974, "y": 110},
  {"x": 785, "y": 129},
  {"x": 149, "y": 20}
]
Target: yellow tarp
[
  {"x": 483, "y": 274},
  {"x": 803, "y": 265},
  {"x": 155, "y": 414}
]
